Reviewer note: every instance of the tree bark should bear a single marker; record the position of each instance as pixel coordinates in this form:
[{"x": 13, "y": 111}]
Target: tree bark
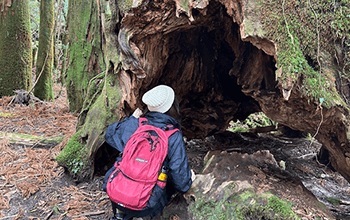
[
  {"x": 92, "y": 86},
  {"x": 43, "y": 89},
  {"x": 15, "y": 47},
  {"x": 85, "y": 58}
]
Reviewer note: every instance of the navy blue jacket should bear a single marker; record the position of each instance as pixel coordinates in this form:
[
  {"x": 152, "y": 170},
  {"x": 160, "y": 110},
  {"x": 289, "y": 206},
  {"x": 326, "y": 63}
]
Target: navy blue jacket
[{"x": 179, "y": 174}]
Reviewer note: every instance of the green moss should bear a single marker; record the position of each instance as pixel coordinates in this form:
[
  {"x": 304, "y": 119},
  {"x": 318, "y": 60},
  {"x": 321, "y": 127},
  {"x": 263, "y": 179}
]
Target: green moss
[
  {"x": 84, "y": 55},
  {"x": 101, "y": 113},
  {"x": 15, "y": 47},
  {"x": 265, "y": 206},
  {"x": 238, "y": 129},
  {"x": 283, "y": 207},
  {"x": 333, "y": 200},
  {"x": 243, "y": 205},
  {"x": 254, "y": 120},
  {"x": 306, "y": 37},
  {"x": 30, "y": 139},
  {"x": 73, "y": 156},
  {"x": 126, "y": 5},
  {"x": 208, "y": 209},
  {"x": 97, "y": 114},
  {"x": 7, "y": 115},
  {"x": 44, "y": 87},
  {"x": 184, "y": 5}
]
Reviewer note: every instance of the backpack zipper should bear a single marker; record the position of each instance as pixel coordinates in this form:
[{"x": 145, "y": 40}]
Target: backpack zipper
[{"x": 114, "y": 175}]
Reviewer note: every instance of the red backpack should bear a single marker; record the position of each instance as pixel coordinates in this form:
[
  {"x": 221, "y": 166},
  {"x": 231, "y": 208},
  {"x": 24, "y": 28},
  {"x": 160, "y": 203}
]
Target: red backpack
[{"x": 131, "y": 183}]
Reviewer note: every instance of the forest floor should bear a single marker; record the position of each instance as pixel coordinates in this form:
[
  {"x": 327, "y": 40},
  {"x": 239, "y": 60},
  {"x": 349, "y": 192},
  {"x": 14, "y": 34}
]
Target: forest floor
[{"x": 34, "y": 186}]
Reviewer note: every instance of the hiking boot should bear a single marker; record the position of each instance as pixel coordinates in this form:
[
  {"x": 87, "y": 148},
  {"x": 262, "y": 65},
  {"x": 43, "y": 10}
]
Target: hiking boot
[{"x": 119, "y": 216}]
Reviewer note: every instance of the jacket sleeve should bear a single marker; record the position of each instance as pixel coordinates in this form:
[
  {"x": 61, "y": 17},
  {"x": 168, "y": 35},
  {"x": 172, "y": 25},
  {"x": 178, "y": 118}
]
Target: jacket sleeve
[
  {"x": 179, "y": 171},
  {"x": 117, "y": 134}
]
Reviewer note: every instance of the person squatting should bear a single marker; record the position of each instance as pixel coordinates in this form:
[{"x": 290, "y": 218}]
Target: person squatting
[{"x": 141, "y": 182}]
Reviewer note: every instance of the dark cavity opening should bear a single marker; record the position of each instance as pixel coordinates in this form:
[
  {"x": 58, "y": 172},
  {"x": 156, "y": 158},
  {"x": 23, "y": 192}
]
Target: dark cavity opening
[{"x": 204, "y": 64}]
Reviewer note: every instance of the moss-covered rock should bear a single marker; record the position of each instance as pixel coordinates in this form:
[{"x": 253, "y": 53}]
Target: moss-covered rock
[
  {"x": 232, "y": 186},
  {"x": 243, "y": 205}
]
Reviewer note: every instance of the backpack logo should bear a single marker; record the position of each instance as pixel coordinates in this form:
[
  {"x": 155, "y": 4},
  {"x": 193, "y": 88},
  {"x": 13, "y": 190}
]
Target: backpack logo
[
  {"x": 141, "y": 160},
  {"x": 132, "y": 182}
]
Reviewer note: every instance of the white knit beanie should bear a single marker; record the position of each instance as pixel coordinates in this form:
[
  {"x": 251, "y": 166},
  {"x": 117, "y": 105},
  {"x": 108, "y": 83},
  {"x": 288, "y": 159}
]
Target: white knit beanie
[{"x": 159, "y": 99}]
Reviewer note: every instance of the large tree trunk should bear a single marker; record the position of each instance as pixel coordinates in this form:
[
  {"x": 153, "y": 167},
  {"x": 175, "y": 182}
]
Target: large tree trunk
[
  {"x": 93, "y": 88},
  {"x": 43, "y": 88},
  {"x": 222, "y": 66},
  {"x": 15, "y": 46},
  {"x": 85, "y": 57}
]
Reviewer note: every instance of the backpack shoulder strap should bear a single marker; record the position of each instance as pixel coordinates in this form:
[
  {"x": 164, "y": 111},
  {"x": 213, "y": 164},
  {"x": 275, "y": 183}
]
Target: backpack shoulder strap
[
  {"x": 168, "y": 132},
  {"x": 142, "y": 121}
]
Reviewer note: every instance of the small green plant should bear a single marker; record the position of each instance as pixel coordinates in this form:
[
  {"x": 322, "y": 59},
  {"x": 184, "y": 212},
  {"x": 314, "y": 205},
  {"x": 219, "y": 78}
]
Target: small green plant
[
  {"x": 56, "y": 209},
  {"x": 73, "y": 155},
  {"x": 238, "y": 129},
  {"x": 258, "y": 119},
  {"x": 283, "y": 164},
  {"x": 333, "y": 200},
  {"x": 75, "y": 166},
  {"x": 309, "y": 137}
]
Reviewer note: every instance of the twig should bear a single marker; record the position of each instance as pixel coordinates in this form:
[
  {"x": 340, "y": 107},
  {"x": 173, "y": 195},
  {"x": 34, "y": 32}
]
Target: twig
[
  {"x": 62, "y": 216},
  {"x": 344, "y": 202},
  {"x": 233, "y": 149},
  {"x": 306, "y": 155},
  {"x": 42, "y": 69},
  {"x": 8, "y": 217},
  {"x": 11, "y": 101},
  {"x": 49, "y": 215},
  {"x": 89, "y": 214},
  {"x": 38, "y": 142},
  {"x": 319, "y": 63},
  {"x": 285, "y": 20},
  {"x": 318, "y": 128}
]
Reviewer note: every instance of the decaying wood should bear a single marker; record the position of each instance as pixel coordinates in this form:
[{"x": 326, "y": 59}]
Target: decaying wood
[
  {"x": 218, "y": 72},
  {"x": 22, "y": 97}
]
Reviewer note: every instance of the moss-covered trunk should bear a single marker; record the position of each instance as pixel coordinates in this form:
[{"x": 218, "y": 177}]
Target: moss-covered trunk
[
  {"x": 43, "y": 88},
  {"x": 92, "y": 86},
  {"x": 85, "y": 59},
  {"x": 15, "y": 46}
]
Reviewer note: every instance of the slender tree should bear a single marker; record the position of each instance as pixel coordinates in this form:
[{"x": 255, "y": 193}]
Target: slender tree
[
  {"x": 43, "y": 88},
  {"x": 15, "y": 46}
]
